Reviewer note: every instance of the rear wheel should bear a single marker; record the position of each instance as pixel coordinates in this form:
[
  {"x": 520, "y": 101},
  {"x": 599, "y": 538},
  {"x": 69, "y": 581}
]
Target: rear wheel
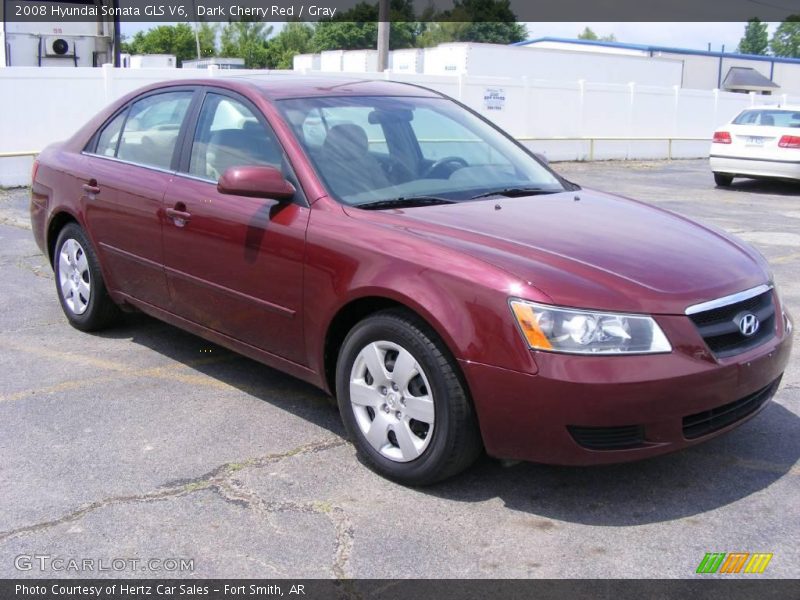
[
  {"x": 79, "y": 283},
  {"x": 723, "y": 180},
  {"x": 402, "y": 401}
]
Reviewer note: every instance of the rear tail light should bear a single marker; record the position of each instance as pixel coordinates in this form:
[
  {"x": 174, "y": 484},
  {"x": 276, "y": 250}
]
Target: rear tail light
[
  {"x": 789, "y": 141},
  {"x": 34, "y": 170},
  {"x": 722, "y": 137}
]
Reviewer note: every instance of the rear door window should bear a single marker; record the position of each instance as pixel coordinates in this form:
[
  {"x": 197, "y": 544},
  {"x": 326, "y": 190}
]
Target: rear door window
[
  {"x": 152, "y": 128},
  {"x": 109, "y": 137}
]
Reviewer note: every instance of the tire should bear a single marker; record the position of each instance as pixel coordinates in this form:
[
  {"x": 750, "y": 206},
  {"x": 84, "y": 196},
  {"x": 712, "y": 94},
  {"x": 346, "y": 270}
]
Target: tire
[
  {"x": 423, "y": 430},
  {"x": 79, "y": 282},
  {"x": 723, "y": 180}
]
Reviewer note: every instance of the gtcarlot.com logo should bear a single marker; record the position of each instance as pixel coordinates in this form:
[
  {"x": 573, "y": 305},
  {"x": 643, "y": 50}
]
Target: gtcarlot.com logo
[
  {"x": 734, "y": 562},
  {"x": 46, "y": 562}
]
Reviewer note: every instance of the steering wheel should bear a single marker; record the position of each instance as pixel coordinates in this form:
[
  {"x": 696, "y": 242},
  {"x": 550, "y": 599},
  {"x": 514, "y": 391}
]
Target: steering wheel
[
  {"x": 447, "y": 160},
  {"x": 396, "y": 171}
]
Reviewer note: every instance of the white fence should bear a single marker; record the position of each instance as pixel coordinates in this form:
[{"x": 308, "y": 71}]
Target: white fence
[{"x": 42, "y": 105}]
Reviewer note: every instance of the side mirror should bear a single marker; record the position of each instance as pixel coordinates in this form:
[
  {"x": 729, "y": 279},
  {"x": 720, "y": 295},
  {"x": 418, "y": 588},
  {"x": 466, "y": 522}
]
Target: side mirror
[{"x": 256, "y": 182}]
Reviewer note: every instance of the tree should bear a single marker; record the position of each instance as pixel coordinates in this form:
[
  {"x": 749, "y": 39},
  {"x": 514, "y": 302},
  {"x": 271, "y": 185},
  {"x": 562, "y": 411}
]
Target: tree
[
  {"x": 755, "y": 39},
  {"x": 442, "y": 32},
  {"x": 173, "y": 39},
  {"x": 293, "y": 39},
  {"x": 207, "y": 32},
  {"x": 786, "y": 40},
  {"x": 247, "y": 40},
  {"x": 357, "y": 28},
  {"x": 589, "y": 34},
  {"x": 487, "y": 21}
]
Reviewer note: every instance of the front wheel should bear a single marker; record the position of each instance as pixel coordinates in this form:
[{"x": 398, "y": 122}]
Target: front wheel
[
  {"x": 403, "y": 402},
  {"x": 79, "y": 282},
  {"x": 723, "y": 180}
]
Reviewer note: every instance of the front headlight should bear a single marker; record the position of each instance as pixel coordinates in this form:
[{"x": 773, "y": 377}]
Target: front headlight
[{"x": 574, "y": 331}]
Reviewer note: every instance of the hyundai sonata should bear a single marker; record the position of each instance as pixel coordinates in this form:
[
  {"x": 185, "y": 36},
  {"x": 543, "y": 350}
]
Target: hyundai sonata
[{"x": 399, "y": 251}]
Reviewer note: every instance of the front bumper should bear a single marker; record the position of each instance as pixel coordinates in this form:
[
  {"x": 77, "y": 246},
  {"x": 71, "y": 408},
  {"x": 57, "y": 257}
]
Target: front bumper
[
  {"x": 661, "y": 398},
  {"x": 783, "y": 169}
]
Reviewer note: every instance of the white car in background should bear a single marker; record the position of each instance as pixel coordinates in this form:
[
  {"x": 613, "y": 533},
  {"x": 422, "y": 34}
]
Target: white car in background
[{"x": 760, "y": 142}]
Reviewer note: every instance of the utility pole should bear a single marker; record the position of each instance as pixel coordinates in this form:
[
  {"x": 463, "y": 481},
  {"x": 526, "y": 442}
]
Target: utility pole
[
  {"x": 197, "y": 38},
  {"x": 383, "y": 35},
  {"x": 196, "y": 28}
]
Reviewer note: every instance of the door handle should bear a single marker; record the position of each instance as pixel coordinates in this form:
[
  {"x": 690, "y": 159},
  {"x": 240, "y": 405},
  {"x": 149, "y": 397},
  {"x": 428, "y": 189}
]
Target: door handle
[
  {"x": 91, "y": 188},
  {"x": 179, "y": 217}
]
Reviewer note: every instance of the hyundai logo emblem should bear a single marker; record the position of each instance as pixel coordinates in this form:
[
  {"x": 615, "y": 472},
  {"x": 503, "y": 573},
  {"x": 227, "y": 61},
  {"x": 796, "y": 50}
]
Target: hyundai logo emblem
[{"x": 748, "y": 324}]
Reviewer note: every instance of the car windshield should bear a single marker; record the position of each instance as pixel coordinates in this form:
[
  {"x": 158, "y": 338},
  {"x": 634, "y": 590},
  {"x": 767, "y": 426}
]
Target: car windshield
[
  {"x": 769, "y": 118},
  {"x": 371, "y": 150}
]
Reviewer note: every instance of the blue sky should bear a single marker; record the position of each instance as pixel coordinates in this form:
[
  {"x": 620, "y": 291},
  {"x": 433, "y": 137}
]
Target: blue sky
[{"x": 682, "y": 35}]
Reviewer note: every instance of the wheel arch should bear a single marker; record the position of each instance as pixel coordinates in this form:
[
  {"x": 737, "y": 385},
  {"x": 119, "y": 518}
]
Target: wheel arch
[
  {"x": 358, "y": 308},
  {"x": 57, "y": 222}
]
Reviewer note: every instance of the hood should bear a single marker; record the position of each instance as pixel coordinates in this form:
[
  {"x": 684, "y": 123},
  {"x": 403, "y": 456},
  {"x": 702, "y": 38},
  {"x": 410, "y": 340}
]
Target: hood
[{"x": 593, "y": 250}]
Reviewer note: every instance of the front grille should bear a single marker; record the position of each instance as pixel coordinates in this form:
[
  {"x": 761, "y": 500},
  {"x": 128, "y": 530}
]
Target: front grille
[
  {"x": 720, "y": 329},
  {"x": 708, "y": 421},
  {"x": 608, "y": 438}
]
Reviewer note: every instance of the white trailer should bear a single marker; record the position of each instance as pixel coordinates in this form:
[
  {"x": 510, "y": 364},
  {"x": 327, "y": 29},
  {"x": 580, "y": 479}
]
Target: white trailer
[
  {"x": 306, "y": 62},
  {"x": 153, "y": 61},
  {"x": 407, "y": 60},
  {"x": 58, "y": 44},
  {"x": 61, "y": 42},
  {"x": 330, "y": 61},
  {"x": 360, "y": 61}
]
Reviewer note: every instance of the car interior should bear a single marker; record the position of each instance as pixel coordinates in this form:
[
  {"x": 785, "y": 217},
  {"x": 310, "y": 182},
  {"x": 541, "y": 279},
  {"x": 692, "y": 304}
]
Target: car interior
[{"x": 769, "y": 118}]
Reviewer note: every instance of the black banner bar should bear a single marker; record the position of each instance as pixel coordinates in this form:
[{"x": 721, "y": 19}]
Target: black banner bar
[
  {"x": 701, "y": 588},
  {"x": 423, "y": 10}
]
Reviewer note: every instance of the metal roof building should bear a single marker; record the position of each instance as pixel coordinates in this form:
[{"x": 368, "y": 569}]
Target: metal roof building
[{"x": 702, "y": 69}]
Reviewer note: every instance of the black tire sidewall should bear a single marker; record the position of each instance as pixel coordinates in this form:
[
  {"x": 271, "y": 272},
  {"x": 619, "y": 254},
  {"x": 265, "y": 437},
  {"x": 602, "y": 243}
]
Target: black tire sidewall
[
  {"x": 723, "y": 180},
  {"x": 385, "y": 327},
  {"x": 91, "y": 316}
]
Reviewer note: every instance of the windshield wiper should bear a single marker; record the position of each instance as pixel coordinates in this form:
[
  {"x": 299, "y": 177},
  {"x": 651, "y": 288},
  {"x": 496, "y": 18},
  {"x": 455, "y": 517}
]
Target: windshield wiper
[
  {"x": 405, "y": 202},
  {"x": 513, "y": 192}
]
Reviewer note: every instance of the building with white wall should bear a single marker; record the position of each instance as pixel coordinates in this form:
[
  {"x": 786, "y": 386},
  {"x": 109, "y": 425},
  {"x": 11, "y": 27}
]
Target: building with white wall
[
  {"x": 701, "y": 69},
  {"x": 495, "y": 60}
]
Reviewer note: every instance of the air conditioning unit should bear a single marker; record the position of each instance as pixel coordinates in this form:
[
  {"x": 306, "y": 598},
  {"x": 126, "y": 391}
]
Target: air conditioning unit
[{"x": 55, "y": 46}]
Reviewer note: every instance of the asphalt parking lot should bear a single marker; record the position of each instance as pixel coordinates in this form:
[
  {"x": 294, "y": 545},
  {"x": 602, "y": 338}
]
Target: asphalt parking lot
[{"x": 146, "y": 442}]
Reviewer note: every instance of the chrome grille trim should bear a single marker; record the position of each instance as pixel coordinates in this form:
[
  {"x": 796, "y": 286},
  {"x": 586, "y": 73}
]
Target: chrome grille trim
[{"x": 727, "y": 300}]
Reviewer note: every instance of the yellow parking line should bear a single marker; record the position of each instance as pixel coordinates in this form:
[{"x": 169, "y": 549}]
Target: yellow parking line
[
  {"x": 90, "y": 361},
  {"x": 786, "y": 258},
  {"x": 767, "y": 466},
  {"x": 169, "y": 372},
  {"x": 54, "y": 389}
]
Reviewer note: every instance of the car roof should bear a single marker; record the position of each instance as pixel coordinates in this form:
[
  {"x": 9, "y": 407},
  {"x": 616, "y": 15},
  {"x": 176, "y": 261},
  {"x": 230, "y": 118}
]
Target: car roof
[
  {"x": 786, "y": 107},
  {"x": 293, "y": 86},
  {"x": 284, "y": 86}
]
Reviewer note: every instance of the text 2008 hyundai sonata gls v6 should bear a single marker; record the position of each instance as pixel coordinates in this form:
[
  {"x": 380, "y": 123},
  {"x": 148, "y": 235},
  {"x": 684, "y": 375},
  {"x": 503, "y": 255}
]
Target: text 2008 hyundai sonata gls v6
[{"x": 390, "y": 246}]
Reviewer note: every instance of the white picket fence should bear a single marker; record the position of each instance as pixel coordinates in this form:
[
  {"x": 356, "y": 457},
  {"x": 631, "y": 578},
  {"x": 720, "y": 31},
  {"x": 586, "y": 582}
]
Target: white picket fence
[{"x": 565, "y": 120}]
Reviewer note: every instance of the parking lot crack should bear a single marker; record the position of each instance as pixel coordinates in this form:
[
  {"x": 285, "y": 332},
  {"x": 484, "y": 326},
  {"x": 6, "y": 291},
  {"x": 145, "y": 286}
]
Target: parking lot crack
[
  {"x": 217, "y": 480},
  {"x": 234, "y": 491}
]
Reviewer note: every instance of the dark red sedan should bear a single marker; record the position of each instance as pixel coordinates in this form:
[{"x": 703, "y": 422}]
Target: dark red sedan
[{"x": 392, "y": 247}]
